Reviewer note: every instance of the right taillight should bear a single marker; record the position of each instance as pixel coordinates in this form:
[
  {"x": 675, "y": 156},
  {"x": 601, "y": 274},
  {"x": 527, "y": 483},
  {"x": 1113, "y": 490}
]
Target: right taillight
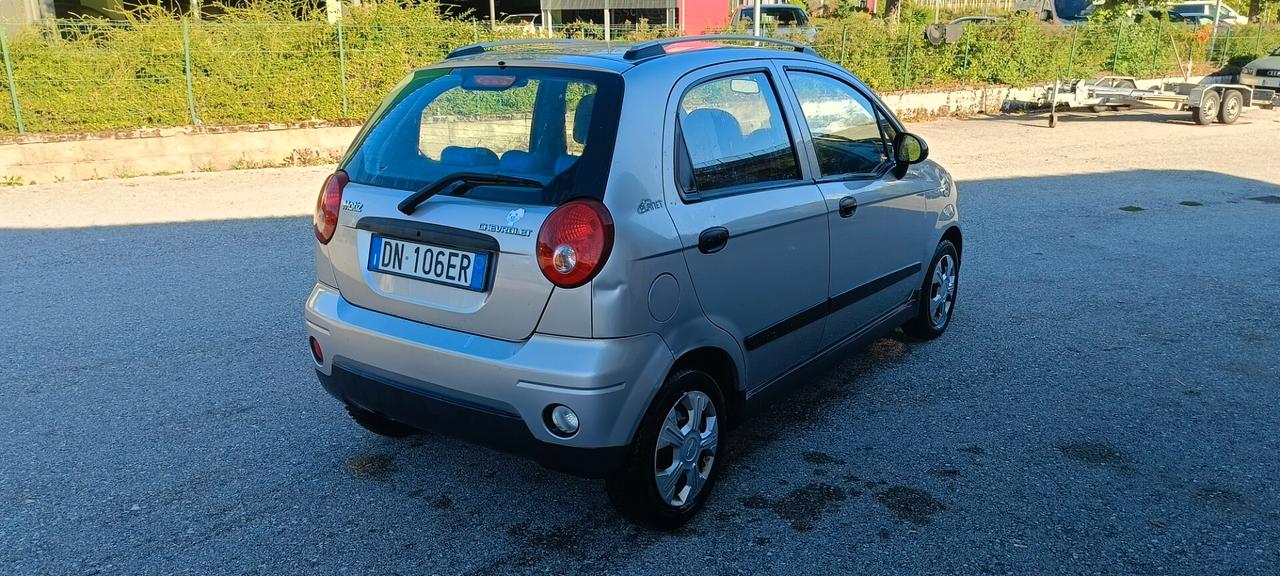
[
  {"x": 325, "y": 220},
  {"x": 574, "y": 242}
]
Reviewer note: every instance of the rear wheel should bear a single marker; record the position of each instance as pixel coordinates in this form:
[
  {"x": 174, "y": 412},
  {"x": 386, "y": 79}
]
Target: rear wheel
[
  {"x": 673, "y": 462},
  {"x": 1232, "y": 105},
  {"x": 937, "y": 294},
  {"x": 380, "y": 425},
  {"x": 1207, "y": 111}
]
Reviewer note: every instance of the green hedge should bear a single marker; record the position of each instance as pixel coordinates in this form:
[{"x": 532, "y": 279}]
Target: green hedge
[{"x": 268, "y": 64}]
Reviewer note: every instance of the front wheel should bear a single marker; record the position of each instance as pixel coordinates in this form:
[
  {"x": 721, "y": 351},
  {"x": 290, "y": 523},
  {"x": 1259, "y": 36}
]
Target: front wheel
[
  {"x": 673, "y": 461},
  {"x": 937, "y": 294},
  {"x": 1207, "y": 111}
]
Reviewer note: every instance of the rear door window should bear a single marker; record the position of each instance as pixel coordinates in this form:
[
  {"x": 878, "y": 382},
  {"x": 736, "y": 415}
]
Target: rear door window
[
  {"x": 542, "y": 124},
  {"x": 733, "y": 134}
]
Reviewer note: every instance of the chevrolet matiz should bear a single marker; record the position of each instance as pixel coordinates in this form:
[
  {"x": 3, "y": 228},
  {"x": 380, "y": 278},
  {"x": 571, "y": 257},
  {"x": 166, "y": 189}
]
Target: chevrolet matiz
[{"x": 602, "y": 256}]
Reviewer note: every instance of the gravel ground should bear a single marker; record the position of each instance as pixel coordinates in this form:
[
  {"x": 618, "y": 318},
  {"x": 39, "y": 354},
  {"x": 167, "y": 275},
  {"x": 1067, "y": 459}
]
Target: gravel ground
[{"x": 1105, "y": 401}]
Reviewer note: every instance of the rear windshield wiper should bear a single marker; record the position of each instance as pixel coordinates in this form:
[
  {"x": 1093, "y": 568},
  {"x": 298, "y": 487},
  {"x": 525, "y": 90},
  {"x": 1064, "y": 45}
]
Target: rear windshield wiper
[{"x": 465, "y": 181}]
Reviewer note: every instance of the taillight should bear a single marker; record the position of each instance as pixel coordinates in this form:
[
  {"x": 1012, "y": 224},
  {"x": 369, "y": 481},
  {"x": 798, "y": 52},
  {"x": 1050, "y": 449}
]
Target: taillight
[
  {"x": 574, "y": 242},
  {"x": 325, "y": 221}
]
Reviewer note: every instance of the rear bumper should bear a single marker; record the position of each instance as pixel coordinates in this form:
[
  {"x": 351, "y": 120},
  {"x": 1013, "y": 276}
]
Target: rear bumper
[
  {"x": 488, "y": 390},
  {"x": 405, "y": 402}
]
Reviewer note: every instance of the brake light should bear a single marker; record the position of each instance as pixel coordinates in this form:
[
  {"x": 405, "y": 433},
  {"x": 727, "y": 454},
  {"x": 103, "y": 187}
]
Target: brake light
[
  {"x": 574, "y": 242},
  {"x": 325, "y": 220}
]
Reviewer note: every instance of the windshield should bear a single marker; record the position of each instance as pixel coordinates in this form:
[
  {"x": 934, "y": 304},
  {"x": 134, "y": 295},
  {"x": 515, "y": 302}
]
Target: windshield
[
  {"x": 552, "y": 126},
  {"x": 780, "y": 15}
]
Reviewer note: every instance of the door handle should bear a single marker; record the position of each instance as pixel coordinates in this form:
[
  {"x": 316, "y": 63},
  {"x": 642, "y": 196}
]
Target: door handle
[
  {"x": 848, "y": 205},
  {"x": 713, "y": 240}
]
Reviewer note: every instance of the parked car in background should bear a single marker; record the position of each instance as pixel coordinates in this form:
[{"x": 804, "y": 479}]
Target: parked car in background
[
  {"x": 781, "y": 20},
  {"x": 952, "y": 31},
  {"x": 1203, "y": 11},
  {"x": 528, "y": 23},
  {"x": 1263, "y": 72},
  {"x": 513, "y": 252}
]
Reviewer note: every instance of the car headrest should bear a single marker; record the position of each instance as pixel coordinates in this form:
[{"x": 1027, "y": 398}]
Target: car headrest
[
  {"x": 516, "y": 161},
  {"x": 475, "y": 157},
  {"x": 712, "y": 133},
  {"x": 582, "y": 118}
]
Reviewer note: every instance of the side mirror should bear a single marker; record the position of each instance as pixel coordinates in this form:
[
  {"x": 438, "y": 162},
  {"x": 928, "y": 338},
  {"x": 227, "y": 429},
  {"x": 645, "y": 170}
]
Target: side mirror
[{"x": 908, "y": 149}]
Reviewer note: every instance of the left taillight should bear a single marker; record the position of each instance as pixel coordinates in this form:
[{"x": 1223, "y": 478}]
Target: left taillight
[{"x": 325, "y": 220}]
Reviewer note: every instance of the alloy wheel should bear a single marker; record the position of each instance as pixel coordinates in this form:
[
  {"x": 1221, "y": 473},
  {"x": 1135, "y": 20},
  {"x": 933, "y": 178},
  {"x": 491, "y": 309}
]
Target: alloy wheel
[
  {"x": 686, "y": 448},
  {"x": 942, "y": 291}
]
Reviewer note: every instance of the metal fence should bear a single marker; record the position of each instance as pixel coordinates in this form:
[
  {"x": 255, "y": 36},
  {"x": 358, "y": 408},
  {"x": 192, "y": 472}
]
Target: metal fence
[{"x": 73, "y": 76}]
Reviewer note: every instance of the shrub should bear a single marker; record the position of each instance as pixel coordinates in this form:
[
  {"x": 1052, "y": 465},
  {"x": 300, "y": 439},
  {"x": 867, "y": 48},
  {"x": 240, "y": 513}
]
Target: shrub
[{"x": 273, "y": 62}]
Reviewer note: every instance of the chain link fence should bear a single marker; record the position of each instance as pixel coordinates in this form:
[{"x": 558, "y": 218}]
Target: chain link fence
[{"x": 82, "y": 75}]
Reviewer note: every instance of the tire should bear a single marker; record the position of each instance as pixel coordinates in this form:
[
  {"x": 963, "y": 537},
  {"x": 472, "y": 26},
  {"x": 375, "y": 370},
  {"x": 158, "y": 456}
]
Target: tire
[
  {"x": 1098, "y": 108},
  {"x": 634, "y": 489},
  {"x": 379, "y": 424},
  {"x": 1232, "y": 106},
  {"x": 1207, "y": 112},
  {"x": 941, "y": 278}
]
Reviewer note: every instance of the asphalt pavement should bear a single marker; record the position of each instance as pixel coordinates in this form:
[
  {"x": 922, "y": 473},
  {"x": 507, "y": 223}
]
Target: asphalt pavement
[{"x": 1106, "y": 401}]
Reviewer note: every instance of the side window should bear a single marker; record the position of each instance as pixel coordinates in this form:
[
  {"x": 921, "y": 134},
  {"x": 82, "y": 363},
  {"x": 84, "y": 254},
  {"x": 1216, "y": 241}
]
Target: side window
[
  {"x": 734, "y": 133},
  {"x": 845, "y": 127}
]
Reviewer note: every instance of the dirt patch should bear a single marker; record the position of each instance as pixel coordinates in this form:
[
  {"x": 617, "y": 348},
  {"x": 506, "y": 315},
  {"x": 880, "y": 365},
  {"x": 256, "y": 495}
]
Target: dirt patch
[
  {"x": 911, "y": 504},
  {"x": 802, "y": 507},
  {"x": 1099, "y": 453},
  {"x": 371, "y": 466},
  {"x": 888, "y": 350},
  {"x": 946, "y": 472},
  {"x": 1223, "y": 498},
  {"x": 441, "y": 502},
  {"x": 975, "y": 450},
  {"x": 820, "y": 458}
]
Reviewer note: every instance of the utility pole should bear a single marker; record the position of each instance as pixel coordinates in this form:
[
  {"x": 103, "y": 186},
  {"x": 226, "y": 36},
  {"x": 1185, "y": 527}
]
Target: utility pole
[
  {"x": 493, "y": 17},
  {"x": 1213, "y": 41},
  {"x": 755, "y": 19}
]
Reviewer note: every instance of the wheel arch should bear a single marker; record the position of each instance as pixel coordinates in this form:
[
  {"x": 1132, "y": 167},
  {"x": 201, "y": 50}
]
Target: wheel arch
[
  {"x": 720, "y": 365},
  {"x": 955, "y": 237}
]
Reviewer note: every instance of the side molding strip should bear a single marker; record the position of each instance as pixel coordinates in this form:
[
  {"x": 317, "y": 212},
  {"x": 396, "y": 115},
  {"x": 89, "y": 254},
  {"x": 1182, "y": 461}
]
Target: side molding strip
[{"x": 827, "y": 307}]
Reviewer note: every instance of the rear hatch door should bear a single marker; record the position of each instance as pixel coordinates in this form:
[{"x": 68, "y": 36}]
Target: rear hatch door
[{"x": 465, "y": 257}]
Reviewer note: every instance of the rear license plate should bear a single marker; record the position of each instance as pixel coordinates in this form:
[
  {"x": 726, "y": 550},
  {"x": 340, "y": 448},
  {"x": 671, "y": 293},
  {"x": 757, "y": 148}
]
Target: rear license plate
[{"x": 428, "y": 262}]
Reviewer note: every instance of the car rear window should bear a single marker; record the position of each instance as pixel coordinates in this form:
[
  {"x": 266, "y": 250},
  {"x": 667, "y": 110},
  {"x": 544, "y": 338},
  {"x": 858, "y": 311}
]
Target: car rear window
[
  {"x": 783, "y": 15},
  {"x": 551, "y": 125}
]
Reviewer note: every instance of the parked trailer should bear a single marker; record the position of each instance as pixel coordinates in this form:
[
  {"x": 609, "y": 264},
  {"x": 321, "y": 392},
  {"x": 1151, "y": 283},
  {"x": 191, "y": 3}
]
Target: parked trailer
[{"x": 1207, "y": 102}]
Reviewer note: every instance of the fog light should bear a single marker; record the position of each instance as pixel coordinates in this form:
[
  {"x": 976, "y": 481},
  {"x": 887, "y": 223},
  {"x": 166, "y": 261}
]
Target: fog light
[
  {"x": 561, "y": 420},
  {"x": 316, "y": 352}
]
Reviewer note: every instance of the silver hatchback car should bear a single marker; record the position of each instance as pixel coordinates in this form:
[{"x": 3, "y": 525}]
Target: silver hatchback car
[{"x": 602, "y": 256}]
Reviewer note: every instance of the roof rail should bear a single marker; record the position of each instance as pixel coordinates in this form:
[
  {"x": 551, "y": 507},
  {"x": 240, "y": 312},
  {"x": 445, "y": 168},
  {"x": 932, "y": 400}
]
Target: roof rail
[
  {"x": 658, "y": 47},
  {"x": 486, "y": 46}
]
